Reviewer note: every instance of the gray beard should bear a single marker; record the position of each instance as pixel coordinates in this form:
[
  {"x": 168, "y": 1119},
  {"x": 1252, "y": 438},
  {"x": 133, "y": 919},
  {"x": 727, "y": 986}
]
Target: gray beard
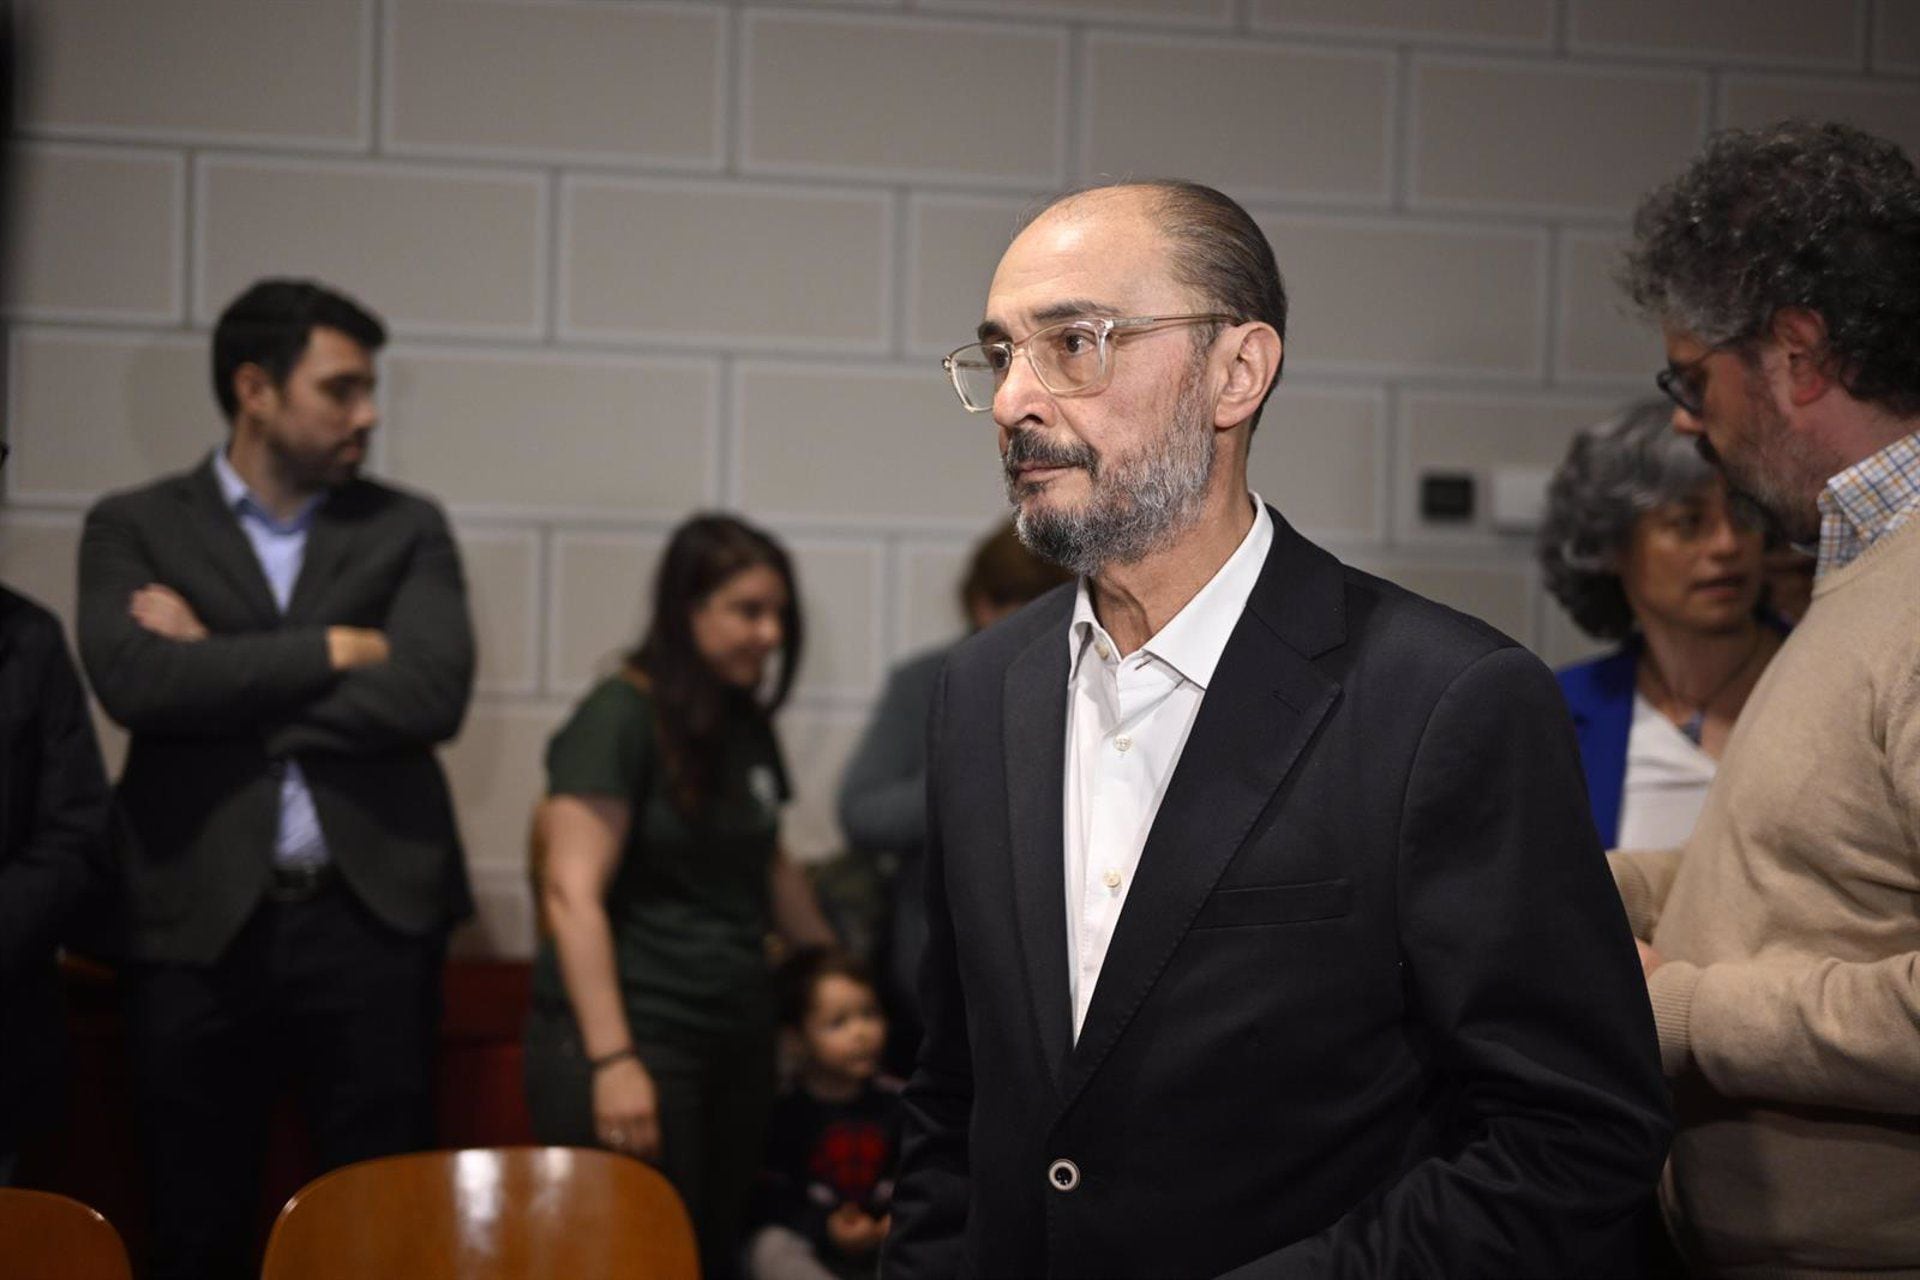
[{"x": 1138, "y": 505}]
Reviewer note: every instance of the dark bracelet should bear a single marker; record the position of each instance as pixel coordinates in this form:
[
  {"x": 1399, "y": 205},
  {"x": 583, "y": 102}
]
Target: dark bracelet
[{"x": 608, "y": 1059}]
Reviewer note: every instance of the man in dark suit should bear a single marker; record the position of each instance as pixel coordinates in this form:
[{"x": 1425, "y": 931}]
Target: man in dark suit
[
  {"x": 1269, "y": 934},
  {"x": 286, "y": 641}
]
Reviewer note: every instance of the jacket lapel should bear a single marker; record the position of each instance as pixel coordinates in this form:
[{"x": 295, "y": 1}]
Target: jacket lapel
[
  {"x": 328, "y": 538},
  {"x": 1261, "y": 709},
  {"x": 227, "y": 547},
  {"x": 1035, "y": 713}
]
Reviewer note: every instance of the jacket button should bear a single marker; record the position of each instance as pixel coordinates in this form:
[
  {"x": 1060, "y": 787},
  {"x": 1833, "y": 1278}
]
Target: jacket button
[{"x": 1063, "y": 1175}]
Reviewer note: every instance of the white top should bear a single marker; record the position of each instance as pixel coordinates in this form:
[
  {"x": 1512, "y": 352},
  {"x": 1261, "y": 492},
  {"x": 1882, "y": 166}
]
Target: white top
[
  {"x": 1667, "y": 781},
  {"x": 1127, "y": 721}
]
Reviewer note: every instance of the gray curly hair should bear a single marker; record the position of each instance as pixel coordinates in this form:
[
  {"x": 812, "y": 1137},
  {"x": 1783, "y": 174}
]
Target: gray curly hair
[
  {"x": 1820, "y": 216},
  {"x": 1614, "y": 473}
]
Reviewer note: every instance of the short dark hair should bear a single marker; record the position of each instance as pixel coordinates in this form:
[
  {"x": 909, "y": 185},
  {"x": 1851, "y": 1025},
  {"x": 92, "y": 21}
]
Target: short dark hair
[
  {"x": 1614, "y": 473},
  {"x": 801, "y": 974},
  {"x": 270, "y": 324},
  {"x": 1819, "y": 216},
  {"x": 1003, "y": 572},
  {"x": 1218, "y": 251}
]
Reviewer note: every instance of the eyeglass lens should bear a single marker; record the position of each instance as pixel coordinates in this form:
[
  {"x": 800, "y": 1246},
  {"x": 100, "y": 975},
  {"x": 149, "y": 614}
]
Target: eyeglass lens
[{"x": 1068, "y": 358}]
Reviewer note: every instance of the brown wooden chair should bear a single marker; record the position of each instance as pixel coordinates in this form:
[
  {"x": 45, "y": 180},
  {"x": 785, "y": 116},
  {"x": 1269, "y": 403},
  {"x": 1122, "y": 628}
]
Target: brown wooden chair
[
  {"x": 48, "y": 1237},
  {"x": 489, "y": 1213}
]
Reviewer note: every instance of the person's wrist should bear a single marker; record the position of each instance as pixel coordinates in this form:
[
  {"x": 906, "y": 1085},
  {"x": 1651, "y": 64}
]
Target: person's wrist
[{"x": 605, "y": 1060}]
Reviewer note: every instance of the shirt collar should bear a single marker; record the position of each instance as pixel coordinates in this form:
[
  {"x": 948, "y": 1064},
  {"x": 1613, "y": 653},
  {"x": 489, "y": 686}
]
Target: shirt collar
[
  {"x": 240, "y": 499},
  {"x": 1193, "y": 640},
  {"x": 1868, "y": 499}
]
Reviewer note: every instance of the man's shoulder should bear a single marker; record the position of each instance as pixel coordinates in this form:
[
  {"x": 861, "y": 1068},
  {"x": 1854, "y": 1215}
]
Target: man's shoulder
[
  {"x": 155, "y": 495},
  {"x": 365, "y": 498},
  {"x": 1400, "y": 630},
  {"x": 25, "y": 622}
]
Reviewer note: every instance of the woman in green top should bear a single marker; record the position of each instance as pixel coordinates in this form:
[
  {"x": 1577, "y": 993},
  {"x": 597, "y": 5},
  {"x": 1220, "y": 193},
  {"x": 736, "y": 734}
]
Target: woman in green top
[{"x": 659, "y": 877}]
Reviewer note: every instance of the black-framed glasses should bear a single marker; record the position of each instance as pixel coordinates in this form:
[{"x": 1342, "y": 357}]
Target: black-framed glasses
[
  {"x": 1681, "y": 383},
  {"x": 1072, "y": 358}
]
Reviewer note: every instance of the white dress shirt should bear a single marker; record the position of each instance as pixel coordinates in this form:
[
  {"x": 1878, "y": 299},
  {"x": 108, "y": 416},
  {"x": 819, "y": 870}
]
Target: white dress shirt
[{"x": 1128, "y": 716}]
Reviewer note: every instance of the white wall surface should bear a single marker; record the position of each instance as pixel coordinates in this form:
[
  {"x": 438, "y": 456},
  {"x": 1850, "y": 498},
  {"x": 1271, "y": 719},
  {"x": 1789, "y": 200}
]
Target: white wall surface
[{"x": 644, "y": 258}]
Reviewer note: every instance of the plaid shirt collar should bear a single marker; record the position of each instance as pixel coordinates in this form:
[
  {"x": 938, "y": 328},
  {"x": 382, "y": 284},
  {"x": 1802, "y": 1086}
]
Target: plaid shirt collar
[{"x": 1867, "y": 501}]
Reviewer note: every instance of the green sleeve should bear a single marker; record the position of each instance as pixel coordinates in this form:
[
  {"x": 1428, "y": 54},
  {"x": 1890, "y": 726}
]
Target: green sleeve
[{"x": 603, "y": 748}]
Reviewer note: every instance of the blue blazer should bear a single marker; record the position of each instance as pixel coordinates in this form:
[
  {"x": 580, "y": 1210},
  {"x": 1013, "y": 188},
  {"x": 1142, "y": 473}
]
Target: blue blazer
[{"x": 1599, "y": 695}]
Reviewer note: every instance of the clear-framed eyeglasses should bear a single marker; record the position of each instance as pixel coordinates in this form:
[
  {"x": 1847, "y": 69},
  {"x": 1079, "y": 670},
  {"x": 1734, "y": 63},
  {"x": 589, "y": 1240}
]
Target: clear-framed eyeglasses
[{"x": 1072, "y": 358}]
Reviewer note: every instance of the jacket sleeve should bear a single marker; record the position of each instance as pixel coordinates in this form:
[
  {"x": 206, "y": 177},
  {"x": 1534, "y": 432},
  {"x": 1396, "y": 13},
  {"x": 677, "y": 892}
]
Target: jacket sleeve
[
  {"x": 1523, "y": 982},
  {"x": 930, "y": 1195},
  {"x": 883, "y": 794},
  {"x": 216, "y": 687},
  {"x": 419, "y": 696},
  {"x": 65, "y": 854},
  {"x": 1808, "y": 1029}
]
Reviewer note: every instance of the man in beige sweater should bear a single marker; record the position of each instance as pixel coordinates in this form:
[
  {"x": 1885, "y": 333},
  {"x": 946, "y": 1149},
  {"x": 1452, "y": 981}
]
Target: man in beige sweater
[{"x": 1782, "y": 944}]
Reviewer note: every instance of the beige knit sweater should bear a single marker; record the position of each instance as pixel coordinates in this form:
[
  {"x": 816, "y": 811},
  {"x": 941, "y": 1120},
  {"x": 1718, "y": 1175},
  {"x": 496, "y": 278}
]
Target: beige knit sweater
[{"x": 1789, "y": 1006}]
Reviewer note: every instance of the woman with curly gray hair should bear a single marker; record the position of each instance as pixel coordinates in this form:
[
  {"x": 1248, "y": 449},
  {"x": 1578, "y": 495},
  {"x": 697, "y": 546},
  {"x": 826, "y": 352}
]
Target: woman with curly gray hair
[{"x": 1643, "y": 544}]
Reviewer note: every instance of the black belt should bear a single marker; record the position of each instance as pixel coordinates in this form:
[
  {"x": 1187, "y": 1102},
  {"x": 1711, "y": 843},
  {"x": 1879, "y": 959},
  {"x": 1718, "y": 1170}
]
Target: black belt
[{"x": 299, "y": 881}]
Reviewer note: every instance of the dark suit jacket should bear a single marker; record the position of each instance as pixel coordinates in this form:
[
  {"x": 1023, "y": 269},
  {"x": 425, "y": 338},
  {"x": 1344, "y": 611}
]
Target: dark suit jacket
[
  {"x": 54, "y": 812},
  {"x": 1371, "y": 1009},
  {"x": 213, "y": 720}
]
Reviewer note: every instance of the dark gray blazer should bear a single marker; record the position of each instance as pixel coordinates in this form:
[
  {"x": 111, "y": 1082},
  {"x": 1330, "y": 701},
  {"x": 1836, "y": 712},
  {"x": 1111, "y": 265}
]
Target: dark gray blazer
[
  {"x": 1372, "y": 1007},
  {"x": 213, "y": 720}
]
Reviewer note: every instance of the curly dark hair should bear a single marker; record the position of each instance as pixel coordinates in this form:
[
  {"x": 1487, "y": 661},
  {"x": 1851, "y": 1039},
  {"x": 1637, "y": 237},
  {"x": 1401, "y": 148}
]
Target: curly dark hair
[
  {"x": 1614, "y": 473},
  {"x": 1820, "y": 216}
]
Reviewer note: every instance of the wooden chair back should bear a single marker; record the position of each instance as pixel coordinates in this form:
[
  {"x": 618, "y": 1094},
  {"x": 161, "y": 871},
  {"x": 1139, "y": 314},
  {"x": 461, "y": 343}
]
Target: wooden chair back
[
  {"x": 489, "y": 1213},
  {"x": 44, "y": 1236}
]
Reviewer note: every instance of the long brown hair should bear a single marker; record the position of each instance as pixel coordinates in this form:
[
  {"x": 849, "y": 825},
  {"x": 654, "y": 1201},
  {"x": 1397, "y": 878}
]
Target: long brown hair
[{"x": 691, "y": 701}]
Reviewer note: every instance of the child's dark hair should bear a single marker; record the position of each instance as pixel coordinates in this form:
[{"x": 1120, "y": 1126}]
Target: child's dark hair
[{"x": 801, "y": 975}]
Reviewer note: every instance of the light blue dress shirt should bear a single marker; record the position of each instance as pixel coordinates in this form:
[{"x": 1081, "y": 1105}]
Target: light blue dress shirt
[{"x": 281, "y": 547}]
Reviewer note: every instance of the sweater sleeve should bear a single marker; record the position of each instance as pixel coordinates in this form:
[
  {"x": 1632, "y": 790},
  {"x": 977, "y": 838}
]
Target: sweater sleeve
[
  {"x": 1810, "y": 1029},
  {"x": 1643, "y": 877}
]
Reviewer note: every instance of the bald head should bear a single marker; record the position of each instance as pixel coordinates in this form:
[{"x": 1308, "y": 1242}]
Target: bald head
[{"x": 1212, "y": 246}]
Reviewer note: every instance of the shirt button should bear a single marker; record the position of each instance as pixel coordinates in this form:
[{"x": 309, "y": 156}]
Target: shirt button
[
  {"x": 1111, "y": 879},
  {"x": 1123, "y": 744},
  {"x": 1063, "y": 1175}
]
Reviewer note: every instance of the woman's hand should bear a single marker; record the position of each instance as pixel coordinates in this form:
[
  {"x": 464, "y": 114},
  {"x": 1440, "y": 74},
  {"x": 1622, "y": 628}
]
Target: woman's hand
[{"x": 626, "y": 1110}]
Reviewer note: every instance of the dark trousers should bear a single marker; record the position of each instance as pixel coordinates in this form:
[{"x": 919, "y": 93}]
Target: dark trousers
[
  {"x": 317, "y": 993},
  {"x": 715, "y": 1099}
]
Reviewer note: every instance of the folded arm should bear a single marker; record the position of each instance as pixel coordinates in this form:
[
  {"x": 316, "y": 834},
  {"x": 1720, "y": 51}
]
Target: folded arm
[
  {"x": 418, "y": 696},
  {"x": 1522, "y": 981},
  {"x": 155, "y": 683}
]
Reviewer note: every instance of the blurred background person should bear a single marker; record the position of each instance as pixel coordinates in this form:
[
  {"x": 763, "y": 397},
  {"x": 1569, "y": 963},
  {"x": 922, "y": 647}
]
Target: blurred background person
[
  {"x": 883, "y": 794},
  {"x": 1643, "y": 544},
  {"x": 660, "y": 872},
  {"x": 54, "y": 807}
]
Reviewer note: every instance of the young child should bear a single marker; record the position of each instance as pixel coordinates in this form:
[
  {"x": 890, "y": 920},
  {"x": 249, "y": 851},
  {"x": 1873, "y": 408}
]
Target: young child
[{"x": 828, "y": 1185}]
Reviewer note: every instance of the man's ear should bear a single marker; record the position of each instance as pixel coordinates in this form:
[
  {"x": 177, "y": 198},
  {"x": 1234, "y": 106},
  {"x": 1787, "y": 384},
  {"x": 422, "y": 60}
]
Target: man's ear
[
  {"x": 1810, "y": 371},
  {"x": 1253, "y": 363},
  {"x": 254, "y": 390}
]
